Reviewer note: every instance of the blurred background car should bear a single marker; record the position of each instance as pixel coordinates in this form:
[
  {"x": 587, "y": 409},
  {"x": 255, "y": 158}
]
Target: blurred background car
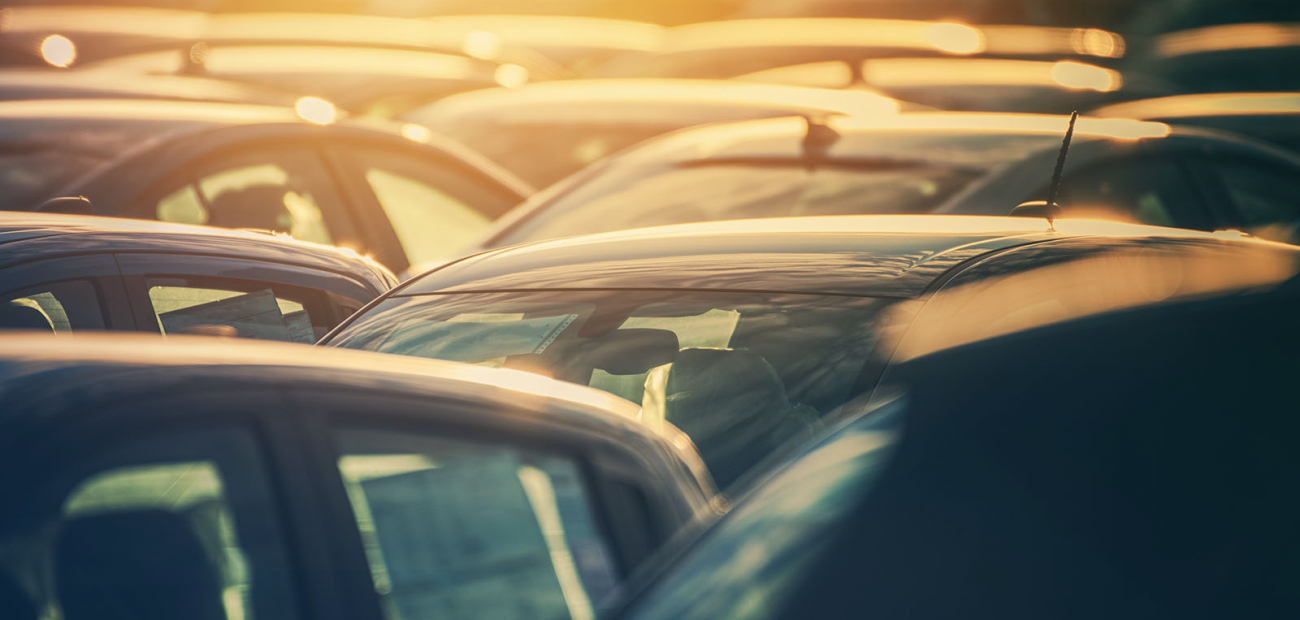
[
  {"x": 922, "y": 163},
  {"x": 1227, "y": 58},
  {"x": 575, "y": 43},
  {"x": 26, "y": 84},
  {"x": 547, "y": 131},
  {"x": 1035, "y": 475},
  {"x": 265, "y": 480},
  {"x": 68, "y": 273},
  {"x": 975, "y": 84},
  {"x": 731, "y": 48},
  {"x": 1269, "y": 117},
  {"x": 750, "y": 336},
  {"x": 400, "y": 194}
]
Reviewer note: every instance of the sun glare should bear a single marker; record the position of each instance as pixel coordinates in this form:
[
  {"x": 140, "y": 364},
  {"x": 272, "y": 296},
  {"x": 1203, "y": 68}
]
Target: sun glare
[
  {"x": 316, "y": 110},
  {"x": 956, "y": 38},
  {"x": 58, "y": 51}
]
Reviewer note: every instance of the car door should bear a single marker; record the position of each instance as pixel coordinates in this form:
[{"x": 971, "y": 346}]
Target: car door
[
  {"x": 453, "y": 509},
  {"x": 178, "y": 293},
  {"x": 65, "y": 294},
  {"x": 165, "y": 505},
  {"x": 425, "y": 208}
]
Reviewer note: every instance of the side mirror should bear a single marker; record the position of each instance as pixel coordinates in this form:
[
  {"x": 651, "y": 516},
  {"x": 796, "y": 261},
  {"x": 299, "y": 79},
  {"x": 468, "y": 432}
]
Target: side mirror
[{"x": 75, "y": 205}]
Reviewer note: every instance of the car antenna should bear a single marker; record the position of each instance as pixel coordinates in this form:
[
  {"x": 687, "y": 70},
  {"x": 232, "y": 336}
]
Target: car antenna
[
  {"x": 817, "y": 140},
  {"x": 1049, "y": 208}
]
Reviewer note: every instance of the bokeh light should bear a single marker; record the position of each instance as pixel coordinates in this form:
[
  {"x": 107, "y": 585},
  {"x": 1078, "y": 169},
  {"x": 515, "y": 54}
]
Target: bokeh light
[
  {"x": 316, "y": 110},
  {"x": 956, "y": 38},
  {"x": 58, "y": 51},
  {"x": 511, "y": 75}
]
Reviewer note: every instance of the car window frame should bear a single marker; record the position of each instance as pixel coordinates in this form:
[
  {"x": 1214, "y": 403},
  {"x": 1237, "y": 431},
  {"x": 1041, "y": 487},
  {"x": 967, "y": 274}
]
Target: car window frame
[
  {"x": 150, "y": 413},
  {"x": 100, "y": 270},
  {"x": 381, "y": 237},
  {"x": 322, "y": 299},
  {"x": 323, "y": 412},
  {"x": 342, "y": 221}
]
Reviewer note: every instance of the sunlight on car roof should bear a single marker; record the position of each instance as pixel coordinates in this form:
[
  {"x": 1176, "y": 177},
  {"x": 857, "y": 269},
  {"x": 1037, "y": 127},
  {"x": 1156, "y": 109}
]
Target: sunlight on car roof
[
  {"x": 136, "y": 109},
  {"x": 1228, "y": 37},
  {"x": 1210, "y": 104}
]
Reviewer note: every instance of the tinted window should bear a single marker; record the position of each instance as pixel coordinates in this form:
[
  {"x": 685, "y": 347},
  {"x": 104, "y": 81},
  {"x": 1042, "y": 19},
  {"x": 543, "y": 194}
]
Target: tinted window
[
  {"x": 182, "y": 307},
  {"x": 59, "y": 307},
  {"x": 742, "y": 375},
  {"x": 180, "y": 526},
  {"x": 433, "y": 210},
  {"x": 723, "y": 192},
  {"x": 29, "y": 178},
  {"x": 452, "y": 526},
  {"x": 1267, "y": 198},
  {"x": 282, "y": 190},
  {"x": 1146, "y": 190}
]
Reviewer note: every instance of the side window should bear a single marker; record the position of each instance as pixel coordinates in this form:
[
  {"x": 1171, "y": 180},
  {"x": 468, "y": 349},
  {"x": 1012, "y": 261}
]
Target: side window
[
  {"x": 1145, "y": 190},
  {"x": 174, "y": 527},
  {"x": 244, "y": 310},
  {"x": 451, "y": 526},
  {"x": 1267, "y": 199},
  {"x": 284, "y": 190},
  {"x": 434, "y": 210},
  {"x": 60, "y": 307}
]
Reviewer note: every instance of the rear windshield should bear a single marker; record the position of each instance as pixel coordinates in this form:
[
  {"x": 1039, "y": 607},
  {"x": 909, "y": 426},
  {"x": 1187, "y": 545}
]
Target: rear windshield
[
  {"x": 700, "y": 193},
  {"x": 741, "y": 374}
]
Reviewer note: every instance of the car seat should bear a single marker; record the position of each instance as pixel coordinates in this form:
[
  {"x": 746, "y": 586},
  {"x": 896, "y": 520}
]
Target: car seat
[
  {"x": 135, "y": 565},
  {"x": 731, "y": 403},
  {"x": 14, "y": 315}
]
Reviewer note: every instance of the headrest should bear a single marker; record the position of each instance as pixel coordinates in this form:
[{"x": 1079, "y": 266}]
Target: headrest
[
  {"x": 136, "y": 565},
  {"x": 259, "y": 206},
  {"x": 14, "y": 315}
]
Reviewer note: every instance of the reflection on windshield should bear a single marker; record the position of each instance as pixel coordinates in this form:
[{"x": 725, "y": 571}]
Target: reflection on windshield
[
  {"x": 31, "y": 178},
  {"x": 705, "y": 193},
  {"x": 741, "y": 374}
]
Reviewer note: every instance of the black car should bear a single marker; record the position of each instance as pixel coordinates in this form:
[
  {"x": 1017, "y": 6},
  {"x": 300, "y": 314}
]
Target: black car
[
  {"x": 401, "y": 194},
  {"x": 752, "y": 335},
  {"x": 65, "y": 273},
  {"x": 1269, "y": 117},
  {"x": 951, "y": 163},
  {"x": 1137, "y": 464},
  {"x": 219, "y": 480},
  {"x": 1259, "y": 57}
]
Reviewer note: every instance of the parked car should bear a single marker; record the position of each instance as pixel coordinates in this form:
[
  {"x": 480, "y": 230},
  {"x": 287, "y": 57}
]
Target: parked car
[
  {"x": 1227, "y": 58},
  {"x": 1269, "y": 117},
  {"x": 1060, "y": 472},
  {"x": 203, "y": 479},
  {"x": 750, "y": 336},
  {"x": 96, "y": 32},
  {"x": 546, "y": 131},
  {"x": 975, "y": 84},
  {"x": 576, "y": 43},
  {"x": 973, "y": 163},
  {"x": 402, "y": 195},
  {"x": 25, "y": 84},
  {"x": 727, "y": 49},
  {"x": 69, "y": 273}
]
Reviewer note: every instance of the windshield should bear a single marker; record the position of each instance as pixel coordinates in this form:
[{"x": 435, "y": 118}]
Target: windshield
[
  {"x": 700, "y": 193},
  {"x": 741, "y": 374}
]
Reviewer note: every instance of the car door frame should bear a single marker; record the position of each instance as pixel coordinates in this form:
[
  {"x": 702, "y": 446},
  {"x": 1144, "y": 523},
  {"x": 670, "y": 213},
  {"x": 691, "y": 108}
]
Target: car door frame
[
  {"x": 101, "y": 270},
  {"x": 131, "y": 414},
  {"x": 320, "y": 411},
  {"x": 322, "y": 295}
]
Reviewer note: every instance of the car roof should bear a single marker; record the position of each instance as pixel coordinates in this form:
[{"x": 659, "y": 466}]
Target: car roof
[
  {"x": 102, "y": 363},
  {"x": 613, "y": 98},
  {"x": 26, "y": 236},
  {"x": 179, "y": 112},
  {"x": 1209, "y": 104},
  {"x": 43, "y": 83},
  {"x": 859, "y": 255},
  {"x": 782, "y": 138},
  {"x": 964, "y": 71},
  {"x": 1226, "y": 38},
  {"x": 554, "y": 30}
]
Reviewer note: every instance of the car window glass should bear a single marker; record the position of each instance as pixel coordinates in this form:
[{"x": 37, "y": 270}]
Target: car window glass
[
  {"x": 283, "y": 191},
  {"x": 725, "y": 192},
  {"x": 434, "y": 210},
  {"x": 1267, "y": 199},
  {"x": 742, "y": 375},
  {"x": 175, "y": 527},
  {"x": 1148, "y": 191},
  {"x": 452, "y": 526},
  {"x": 259, "y": 314},
  {"x": 60, "y": 307}
]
